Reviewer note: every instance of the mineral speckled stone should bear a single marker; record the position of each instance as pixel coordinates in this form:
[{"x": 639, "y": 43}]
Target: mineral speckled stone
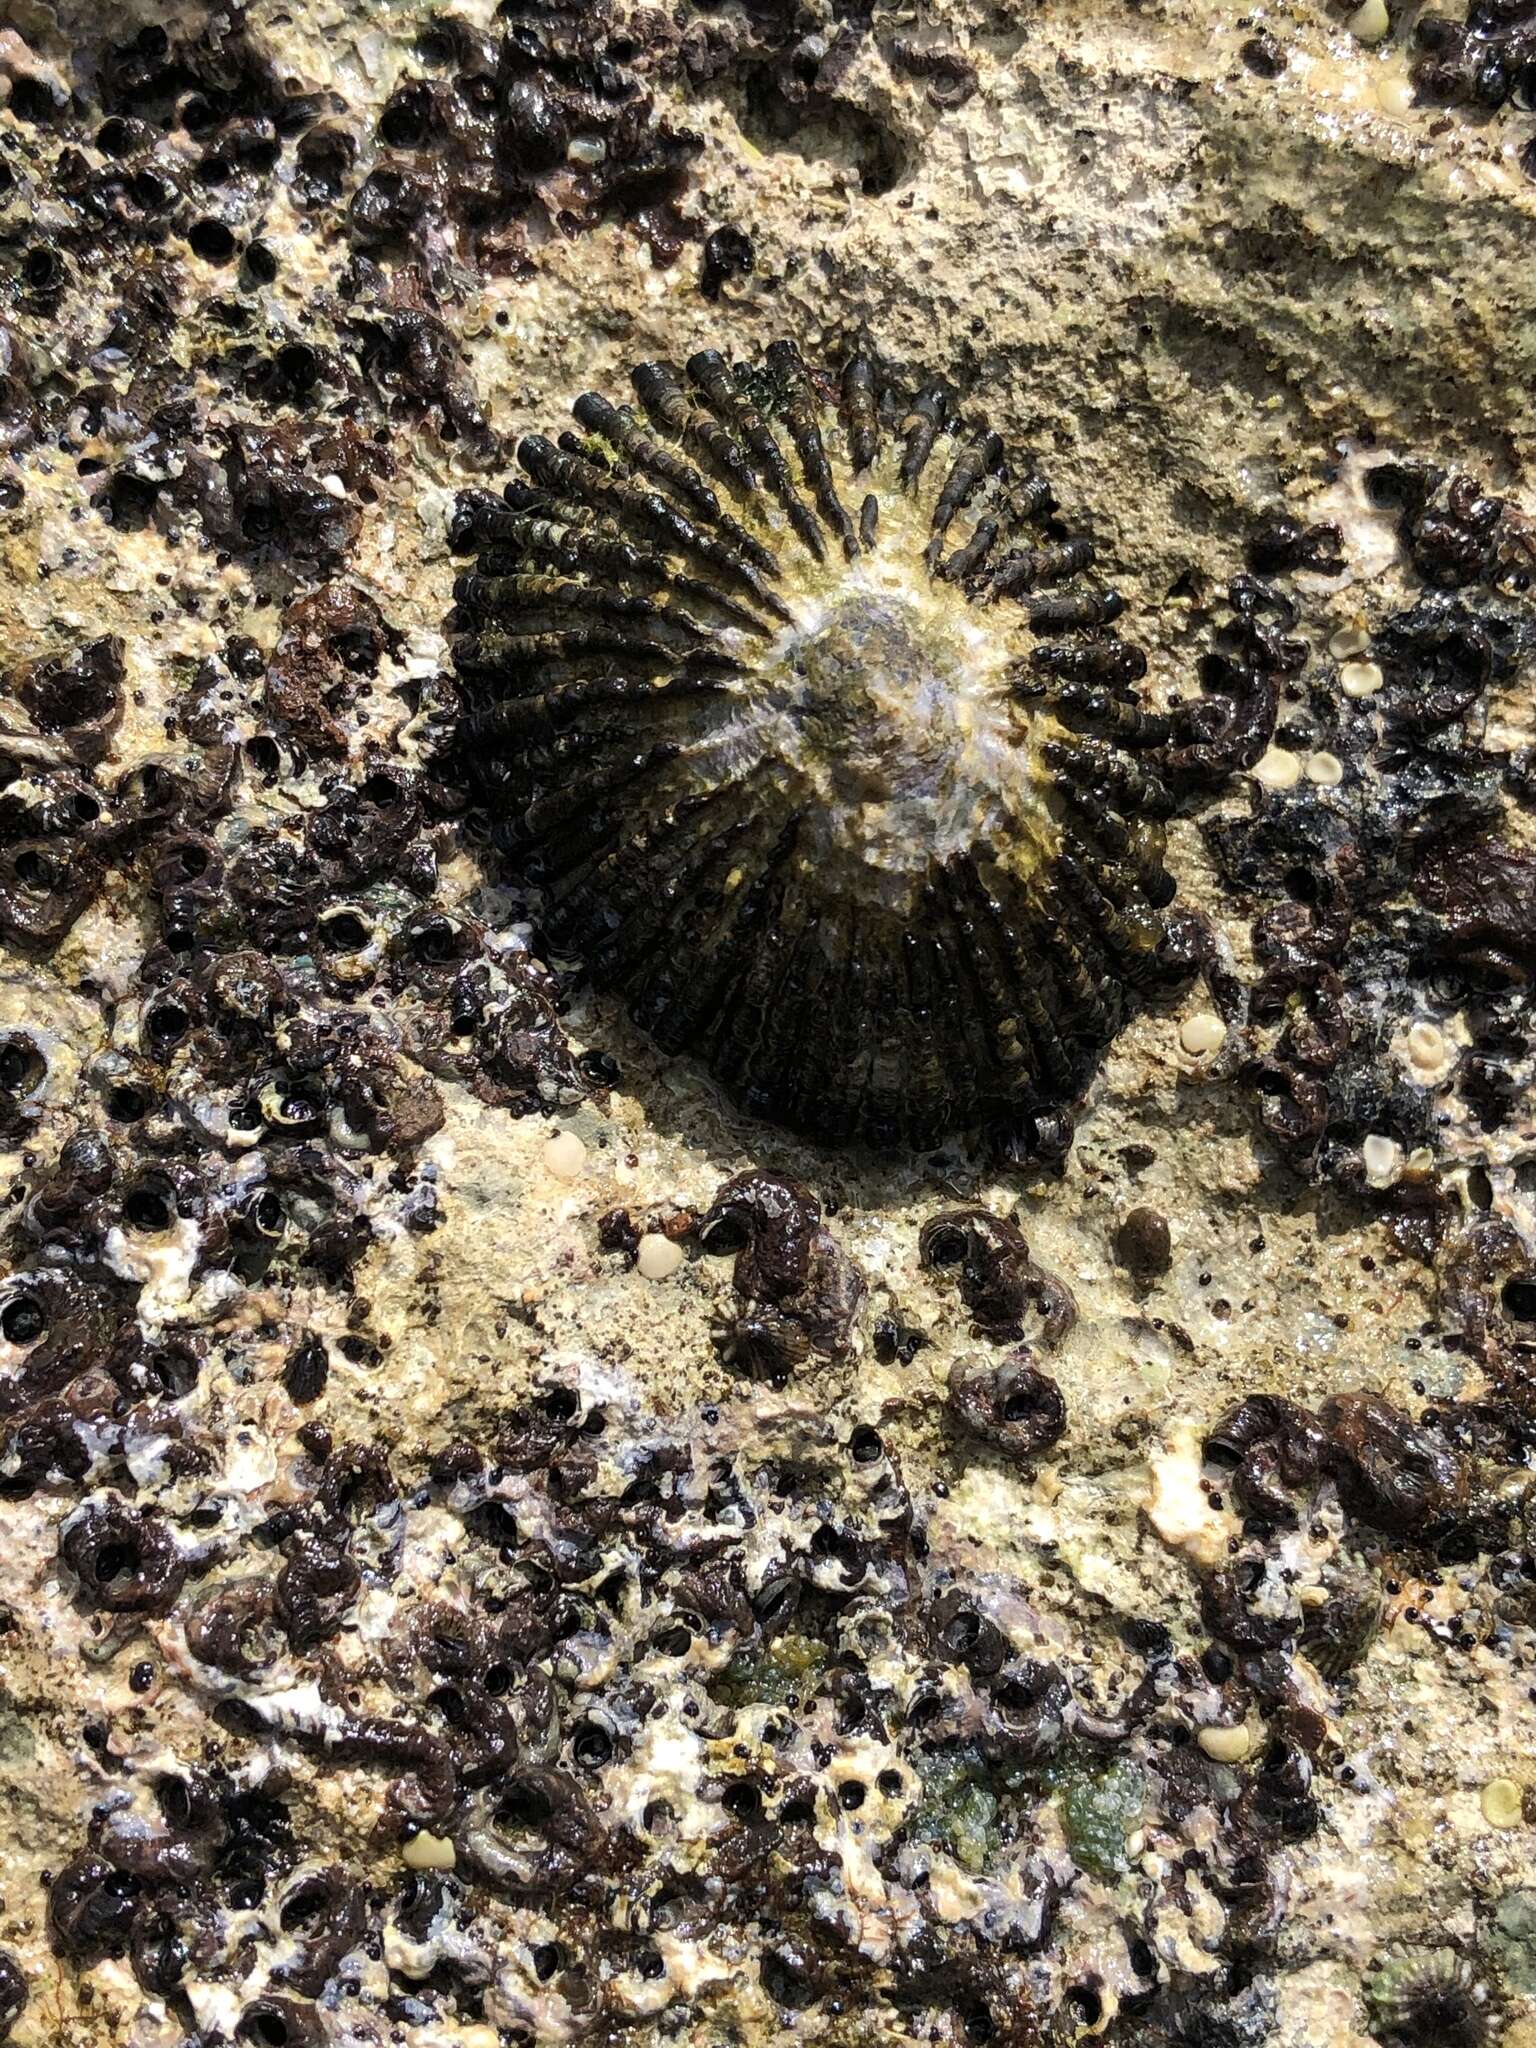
[{"x": 543, "y": 683}]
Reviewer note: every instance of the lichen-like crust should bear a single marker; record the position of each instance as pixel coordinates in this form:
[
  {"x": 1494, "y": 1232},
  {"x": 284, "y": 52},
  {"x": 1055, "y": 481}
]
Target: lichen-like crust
[{"x": 786, "y": 688}]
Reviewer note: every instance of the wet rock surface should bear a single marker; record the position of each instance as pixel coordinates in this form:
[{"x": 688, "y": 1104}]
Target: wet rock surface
[{"x": 500, "y": 1545}]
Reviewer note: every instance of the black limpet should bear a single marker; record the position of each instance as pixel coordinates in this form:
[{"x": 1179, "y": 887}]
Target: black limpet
[{"x": 792, "y": 693}]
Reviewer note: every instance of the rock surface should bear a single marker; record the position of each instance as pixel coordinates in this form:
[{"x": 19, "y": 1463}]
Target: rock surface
[{"x": 334, "y": 1376}]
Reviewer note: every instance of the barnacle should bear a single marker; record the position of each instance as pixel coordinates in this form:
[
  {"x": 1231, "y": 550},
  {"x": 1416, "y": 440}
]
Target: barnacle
[
  {"x": 78, "y": 696},
  {"x": 786, "y": 690},
  {"x": 1418, "y": 1996},
  {"x": 329, "y": 637},
  {"x": 1280, "y": 1800},
  {"x": 126, "y": 1562},
  {"x": 800, "y": 1291},
  {"x": 1339, "y": 1633},
  {"x": 1453, "y": 530},
  {"x": 1275, "y": 1452},
  {"x": 1014, "y": 1406},
  {"x": 324, "y": 1909},
  {"x": 280, "y": 2019},
  {"x": 998, "y": 1281},
  {"x": 90, "y": 1908},
  {"x": 177, "y": 1845},
  {"x": 13, "y": 1993},
  {"x": 1394, "y": 1474}
]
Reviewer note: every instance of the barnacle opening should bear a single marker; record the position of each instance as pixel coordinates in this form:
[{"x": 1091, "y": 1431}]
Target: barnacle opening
[{"x": 786, "y": 688}]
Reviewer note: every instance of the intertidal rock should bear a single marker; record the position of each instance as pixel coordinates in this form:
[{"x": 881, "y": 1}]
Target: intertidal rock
[{"x": 513, "y": 1531}]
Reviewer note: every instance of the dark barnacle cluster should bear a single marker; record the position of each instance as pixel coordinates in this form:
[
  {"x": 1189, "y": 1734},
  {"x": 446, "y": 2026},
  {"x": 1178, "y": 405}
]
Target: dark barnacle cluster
[
  {"x": 1237, "y": 2012},
  {"x": 137, "y": 199},
  {"x": 800, "y": 77},
  {"x": 1399, "y": 1477},
  {"x": 1015, "y": 1407},
  {"x": 789, "y": 690},
  {"x": 83, "y": 1389},
  {"x": 1011, "y": 1405},
  {"x": 1300, "y": 1003},
  {"x": 1455, "y": 533},
  {"x": 233, "y": 1127},
  {"x": 290, "y": 987},
  {"x": 170, "y": 1859},
  {"x": 1392, "y": 1473},
  {"x": 1416, "y": 1493},
  {"x": 269, "y": 493},
  {"x": 1392, "y": 892},
  {"x": 13, "y": 1993},
  {"x": 641, "y": 1725},
  {"x": 68, "y": 814},
  {"x": 1484, "y": 61},
  {"x": 999, "y": 1283},
  {"x": 1280, "y": 543},
  {"x": 213, "y": 89},
  {"x": 1253, "y": 653},
  {"x": 799, "y": 1291},
  {"x": 1487, "y": 1278},
  {"x": 542, "y": 113},
  {"x": 167, "y": 163},
  {"x": 142, "y": 202},
  {"x": 332, "y": 639}
]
